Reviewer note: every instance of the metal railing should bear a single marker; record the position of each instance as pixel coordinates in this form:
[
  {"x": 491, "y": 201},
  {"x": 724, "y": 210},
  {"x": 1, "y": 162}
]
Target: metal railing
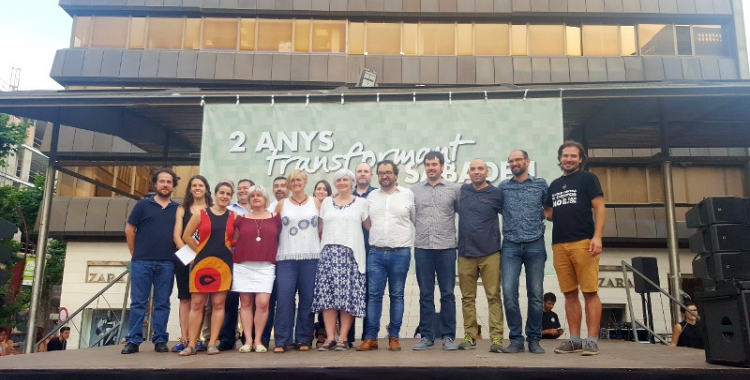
[
  {"x": 634, "y": 323},
  {"x": 117, "y": 327}
]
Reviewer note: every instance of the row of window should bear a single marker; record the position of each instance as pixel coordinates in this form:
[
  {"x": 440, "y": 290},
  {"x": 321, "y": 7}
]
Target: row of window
[{"x": 341, "y": 36}]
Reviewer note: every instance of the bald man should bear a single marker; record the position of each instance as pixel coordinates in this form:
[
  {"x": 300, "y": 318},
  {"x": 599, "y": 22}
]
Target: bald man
[{"x": 479, "y": 253}]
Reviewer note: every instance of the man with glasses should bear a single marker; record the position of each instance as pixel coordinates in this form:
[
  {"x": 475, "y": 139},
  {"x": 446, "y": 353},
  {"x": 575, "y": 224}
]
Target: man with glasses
[
  {"x": 523, "y": 244},
  {"x": 391, "y": 216}
]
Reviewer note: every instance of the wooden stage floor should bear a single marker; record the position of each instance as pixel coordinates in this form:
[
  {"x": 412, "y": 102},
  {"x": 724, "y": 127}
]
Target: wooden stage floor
[{"x": 616, "y": 360}]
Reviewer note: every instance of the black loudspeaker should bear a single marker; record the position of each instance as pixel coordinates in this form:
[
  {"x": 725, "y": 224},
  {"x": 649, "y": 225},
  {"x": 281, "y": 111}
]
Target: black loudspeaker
[
  {"x": 649, "y": 268},
  {"x": 721, "y": 238},
  {"x": 722, "y": 266},
  {"x": 725, "y": 314},
  {"x": 727, "y": 210}
]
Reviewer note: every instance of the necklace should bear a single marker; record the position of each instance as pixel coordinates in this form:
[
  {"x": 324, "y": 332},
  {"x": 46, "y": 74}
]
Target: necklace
[
  {"x": 258, "y": 226},
  {"x": 298, "y": 202}
]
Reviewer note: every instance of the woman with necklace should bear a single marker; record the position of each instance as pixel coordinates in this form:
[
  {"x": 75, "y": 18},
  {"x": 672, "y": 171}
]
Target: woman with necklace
[
  {"x": 256, "y": 234},
  {"x": 297, "y": 262},
  {"x": 340, "y": 278},
  {"x": 211, "y": 273},
  {"x": 197, "y": 198}
]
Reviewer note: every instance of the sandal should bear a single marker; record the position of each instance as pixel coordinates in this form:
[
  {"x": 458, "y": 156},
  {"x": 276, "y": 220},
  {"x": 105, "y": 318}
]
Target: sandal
[
  {"x": 279, "y": 350},
  {"x": 212, "y": 350},
  {"x": 260, "y": 348},
  {"x": 341, "y": 345},
  {"x": 188, "y": 351},
  {"x": 327, "y": 345},
  {"x": 246, "y": 348}
]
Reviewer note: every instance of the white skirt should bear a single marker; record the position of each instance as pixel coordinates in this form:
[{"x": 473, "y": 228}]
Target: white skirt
[{"x": 253, "y": 277}]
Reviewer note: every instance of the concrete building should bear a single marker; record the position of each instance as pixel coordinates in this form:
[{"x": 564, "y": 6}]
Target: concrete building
[{"x": 642, "y": 83}]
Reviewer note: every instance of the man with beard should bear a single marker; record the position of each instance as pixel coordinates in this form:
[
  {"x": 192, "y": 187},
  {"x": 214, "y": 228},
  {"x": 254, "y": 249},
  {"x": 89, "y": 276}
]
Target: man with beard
[
  {"x": 391, "y": 210},
  {"x": 523, "y": 244},
  {"x": 436, "y": 203},
  {"x": 363, "y": 176},
  {"x": 577, "y": 243},
  {"x": 279, "y": 192},
  {"x": 149, "y": 236},
  {"x": 479, "y": 253}
]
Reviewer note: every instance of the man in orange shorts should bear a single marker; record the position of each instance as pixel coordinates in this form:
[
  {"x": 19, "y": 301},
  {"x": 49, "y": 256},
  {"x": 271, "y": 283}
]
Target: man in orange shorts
[{"x": 577, "y": 208}]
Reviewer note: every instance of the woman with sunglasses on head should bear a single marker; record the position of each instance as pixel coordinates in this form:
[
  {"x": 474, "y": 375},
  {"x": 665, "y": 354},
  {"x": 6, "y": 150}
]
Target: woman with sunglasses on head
[{"x": 689, "y": 332}]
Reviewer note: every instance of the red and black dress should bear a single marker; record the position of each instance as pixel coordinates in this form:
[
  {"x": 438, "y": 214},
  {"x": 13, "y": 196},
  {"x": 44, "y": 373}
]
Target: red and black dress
[{"x": 212, "y": 268}]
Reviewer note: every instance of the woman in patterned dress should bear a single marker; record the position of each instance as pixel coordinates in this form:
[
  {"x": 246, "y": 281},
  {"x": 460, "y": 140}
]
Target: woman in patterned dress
[
  {"x": 340, "y": 279},
  {"x": 211, "y": 272},
  {"x": 257, "y": 235},
  {"x": 297, "y": 262},
  {"x": 197, "y": 198}
]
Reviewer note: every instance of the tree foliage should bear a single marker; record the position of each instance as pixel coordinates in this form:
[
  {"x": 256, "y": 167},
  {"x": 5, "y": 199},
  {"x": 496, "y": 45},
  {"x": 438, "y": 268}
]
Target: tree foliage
[
  {"x": 12, "y": 135},
  {"x": 28, "y": 200}
]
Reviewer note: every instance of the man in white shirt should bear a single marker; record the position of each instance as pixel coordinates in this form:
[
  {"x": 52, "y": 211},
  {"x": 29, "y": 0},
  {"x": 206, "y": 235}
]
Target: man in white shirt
[{"x": 391, "y": 210}]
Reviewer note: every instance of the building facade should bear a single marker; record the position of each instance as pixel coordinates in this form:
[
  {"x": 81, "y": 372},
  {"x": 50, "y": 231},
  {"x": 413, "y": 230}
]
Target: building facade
[{"x": 285, "y": 45}]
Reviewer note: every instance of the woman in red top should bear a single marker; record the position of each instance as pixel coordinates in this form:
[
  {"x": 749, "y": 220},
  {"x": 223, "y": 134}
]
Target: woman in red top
[{"x": 257, "y": 237}]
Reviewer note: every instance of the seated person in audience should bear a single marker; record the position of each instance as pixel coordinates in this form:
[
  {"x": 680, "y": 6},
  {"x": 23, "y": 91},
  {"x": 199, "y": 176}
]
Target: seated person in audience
[
  {"x": 689, "y": 332},
  {"x": 551, "y": 328}
]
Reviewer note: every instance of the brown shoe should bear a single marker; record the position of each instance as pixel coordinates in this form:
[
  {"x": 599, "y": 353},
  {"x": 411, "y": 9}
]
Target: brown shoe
[
  {"x": 368, "y": 345},
  {"x": 393, "y": 344}
]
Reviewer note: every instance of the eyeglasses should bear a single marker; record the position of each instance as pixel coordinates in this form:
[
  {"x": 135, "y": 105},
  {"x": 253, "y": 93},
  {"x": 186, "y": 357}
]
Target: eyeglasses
[{"x": 388, "y": 173}]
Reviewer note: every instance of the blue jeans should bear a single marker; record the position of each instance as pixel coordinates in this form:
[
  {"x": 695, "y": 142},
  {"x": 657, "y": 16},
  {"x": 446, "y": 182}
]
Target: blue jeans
[
  {"x": 293, "y": 277},
  {"x": 532, "y": 256},
  {"x": 228, "y": 333},
  {"x": 440, "y": 262},
  {"x": 143, "y": 275},
  {"x": 382, "y": 266}
]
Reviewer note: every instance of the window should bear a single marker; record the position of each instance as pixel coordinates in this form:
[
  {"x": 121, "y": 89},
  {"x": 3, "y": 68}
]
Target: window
[
  {"x": 627, "y": 40},
  {"x": 491, "y": 39},
  {"x": 330, "y": 37},
  {"x": 137, "y": 33},
  {"x": 573, "y": 46},
  {"x": 220, "y": 33},
  {"x": 601, "y": 40},
  {"x": 709, "y": 40},
  {"x": 165, "y": 33},
  {"x": 518, "y": 40},
  {"x": 192, "y": 34},
  {"x": 383, "y": 38},
  {"x": 684, "y": 44},
  {"x": 302, "y": 36},
  {"x": 275, "y": 35},
  {"x": 356, "y": 38},
  {"x": 546, "y": 40},
  {"x": 656, "y": 39},
  {"x": 464, "y": 39},
  {"x": 110, "y": 32},
  {"x": 437, "y": 39},
  {"x": 82, "y": 33},
  {"x": 411, "y": 39},
  {"x": 247, "y": 34}
]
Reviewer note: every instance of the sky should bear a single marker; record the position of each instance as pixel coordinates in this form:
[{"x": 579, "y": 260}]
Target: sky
[{"x": 32, "y": 30}]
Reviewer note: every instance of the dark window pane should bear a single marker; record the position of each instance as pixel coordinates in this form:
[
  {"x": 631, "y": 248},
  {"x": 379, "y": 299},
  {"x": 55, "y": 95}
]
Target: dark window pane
[{"x": 684, "y": 45}]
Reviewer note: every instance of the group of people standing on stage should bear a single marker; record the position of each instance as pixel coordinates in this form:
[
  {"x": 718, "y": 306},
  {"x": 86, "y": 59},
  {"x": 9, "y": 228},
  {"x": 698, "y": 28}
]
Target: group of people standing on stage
[{"x": 335, "y": 253}]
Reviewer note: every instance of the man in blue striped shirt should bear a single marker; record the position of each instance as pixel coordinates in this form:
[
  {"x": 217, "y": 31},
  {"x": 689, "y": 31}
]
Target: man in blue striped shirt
[{"x": 523, "y": 244}]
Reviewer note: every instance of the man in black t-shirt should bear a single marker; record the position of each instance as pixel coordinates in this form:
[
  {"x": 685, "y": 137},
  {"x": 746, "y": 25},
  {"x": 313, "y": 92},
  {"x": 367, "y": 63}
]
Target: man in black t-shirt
[
  {"x": 61, "y": 342},
  {"x": 577, "y": 243},
  {"x": 551, "y": 328}
]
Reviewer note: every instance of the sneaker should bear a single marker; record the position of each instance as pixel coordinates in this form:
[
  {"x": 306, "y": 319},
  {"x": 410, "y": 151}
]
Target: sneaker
[
  {"x": 590, "y": 348},
  {"x": 449, "y": 345},
  {"x": 180, "y": 345},
  {"x": 515, "y": 348},
  {"x": 535, "y": 347},
  {"x": 568, "y": 347},
  {"x": 468, "y": 343},
  {"x": 199, "y": 346},
  {"x": 424, "y": 344},
  {"x": 497, "y": 345}
]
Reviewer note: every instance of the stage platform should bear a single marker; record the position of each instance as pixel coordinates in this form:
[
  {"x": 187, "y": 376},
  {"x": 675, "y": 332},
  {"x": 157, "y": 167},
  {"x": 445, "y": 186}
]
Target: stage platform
[{"x": 617, "y": 360}]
